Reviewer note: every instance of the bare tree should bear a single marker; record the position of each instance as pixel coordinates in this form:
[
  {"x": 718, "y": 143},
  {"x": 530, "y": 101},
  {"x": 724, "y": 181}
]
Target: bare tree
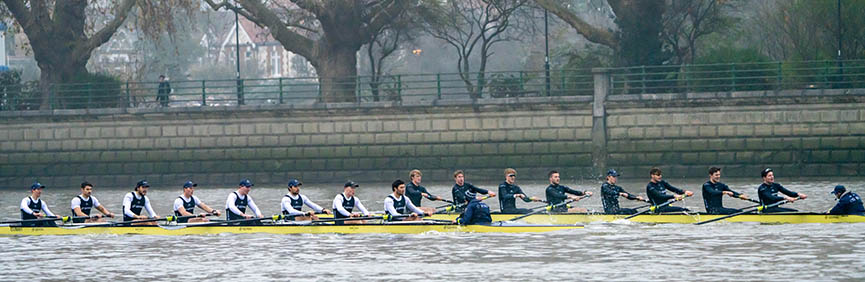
[
  {"x": 328, "y": 33},
  {"x": 63, "y": 35},
  {"x": 686, "y": 21},
  {"x": 470, "y": 26}
]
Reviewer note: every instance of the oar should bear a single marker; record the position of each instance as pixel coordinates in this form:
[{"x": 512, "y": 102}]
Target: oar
[
  {"x": 758, "y": 209},
  {"x": 382, "y": 217},
  {"x": 541, "y": 209},
  {"x": 653, "y": 208},
  {"x": 51, "y": 218},
  {"x": 122, "y": 223}
]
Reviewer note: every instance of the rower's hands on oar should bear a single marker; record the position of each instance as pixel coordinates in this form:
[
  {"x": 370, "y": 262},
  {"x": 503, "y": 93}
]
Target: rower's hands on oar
[{"x": 802, "y": 196}]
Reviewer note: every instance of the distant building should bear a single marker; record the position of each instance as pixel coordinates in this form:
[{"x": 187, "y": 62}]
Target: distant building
[{"x": 258, "y": 47}]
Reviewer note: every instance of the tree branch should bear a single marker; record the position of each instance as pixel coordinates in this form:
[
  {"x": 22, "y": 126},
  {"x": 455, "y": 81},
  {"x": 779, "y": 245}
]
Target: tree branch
[
  {"x": 588, "y": 31},
  {"x": 104, "y": 34}
]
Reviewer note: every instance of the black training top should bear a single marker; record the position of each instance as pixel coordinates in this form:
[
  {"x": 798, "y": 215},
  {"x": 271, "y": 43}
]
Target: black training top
[
  {"x": 657, "y": 192},
  {"x": 463, "y": 193},
  {"x": 769, "y": 193},
  {"x": 413, "y": 193},
  {"x": 556, "y": 195},
  {"x": 610, "y": 193},
  {"x": 506, "y": 196},
  {"x": 713, "y": 194}
]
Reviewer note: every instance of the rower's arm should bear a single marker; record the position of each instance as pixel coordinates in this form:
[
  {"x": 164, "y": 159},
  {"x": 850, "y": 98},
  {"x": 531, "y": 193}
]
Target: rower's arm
[
  {"x": 655, "y": 194},
  {"x": 429, "y": 195},
  {"x": 388, "y": 206},
  {"x": 127, "y": 206},
  {"x": 103, "y": 210},
  {"x": 337, "y": 206},
  {"x": 149, "y": 208},
  {"x": 178, "y": 207},
  {"x": 467, "y": 216},
  {"x": 572, "y": 191},
  {"x": 76, "y": 207},
  {"x": 45, "y": 209},
  {"x": 672, "y": 188},
  {"x": 413, "y": 208},
  {"x": 253, "y": 207},
  {"x": 766, "y": 195},
  {"x": 204, "y": 206},
  {"x": 780, "y": 189},
  {"x": 311, "y": 204},
  {"x": 709, "y": 189},
  {"x": 286, "y": 206},
  {"x": 478, "y": 189},
  {"x": 25, "y": 207},
  {"x": 360, "y": 206}
]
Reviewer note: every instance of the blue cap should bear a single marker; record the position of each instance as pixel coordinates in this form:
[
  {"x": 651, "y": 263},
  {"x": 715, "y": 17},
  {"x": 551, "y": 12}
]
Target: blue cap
[
  {"x": 190, "y": 184},
  {"x": 839, "y": 189},
  {"x": 246, "y": 183},
  {"x": 613, "y": 173},
  {"x": 294, "y": 183},
  {"x": 36, "y": 185},
  {"x": 142, "y": 183}
]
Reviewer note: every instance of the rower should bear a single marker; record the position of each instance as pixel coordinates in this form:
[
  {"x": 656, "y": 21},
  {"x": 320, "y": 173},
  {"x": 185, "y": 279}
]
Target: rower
[
  {"x": 611, "y": 193},
  {"x": 237, "y": 201},
  {"x": 33, "y": 207},
  {"x": 395, "y": 203},
  {"x": 509, "y": 192},
  {"x": 83, "y": 203},
  {"x": 415, "y": 192},
  {"x": 557, "y": 194},
  {"x": 185, "y": 205},
  {"x": 768, "y": 192},
  {"x": 137, "y": 200},
  {"x": 657, "y": 192},
  {"x": 463, "y": 191},
  {"x": 345, "y": 202},
  {"x": 714, "y": 190},
  {"x": 476, "y": 212},
  {"x": 292, "y": 204},
  {"x": 848, "y": 202}
]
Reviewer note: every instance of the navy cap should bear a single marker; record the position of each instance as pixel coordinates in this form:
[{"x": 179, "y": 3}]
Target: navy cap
[
  {"x": 839, "y": 189},
  {"x": 613, "y": 173},
  {"x": 294, "y": 183},
  {"x": 765, "y": 172},
  {"x": 142, "y": 183},
  {"x": 36, "y": 185},
  {"x": 190, "y": 184},
  {"x": 246, "y": 183},
  {"x": 351, "y": 184}
]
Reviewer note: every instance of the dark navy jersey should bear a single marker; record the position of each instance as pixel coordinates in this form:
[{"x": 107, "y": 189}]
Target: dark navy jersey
[{"x": 849, "y": 203}]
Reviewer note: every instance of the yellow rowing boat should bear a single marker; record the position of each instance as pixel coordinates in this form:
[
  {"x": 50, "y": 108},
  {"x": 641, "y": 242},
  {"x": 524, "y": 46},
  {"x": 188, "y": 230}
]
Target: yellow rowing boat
[
  {"x": 774, "y": 218},
  {"x": 194, "y": 229}
]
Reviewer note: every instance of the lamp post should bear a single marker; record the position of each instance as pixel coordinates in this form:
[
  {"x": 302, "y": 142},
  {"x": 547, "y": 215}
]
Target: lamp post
[
  {"x": 840, "y": 34},
  {"x": 547, "y": 51},
  {"x": 237, "y": 56}
]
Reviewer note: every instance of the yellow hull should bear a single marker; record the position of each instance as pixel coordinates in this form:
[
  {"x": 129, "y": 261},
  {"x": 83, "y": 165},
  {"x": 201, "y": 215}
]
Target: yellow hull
[
  {"x": 779, "y": 218},
  {"x": 280, "y": 229}
]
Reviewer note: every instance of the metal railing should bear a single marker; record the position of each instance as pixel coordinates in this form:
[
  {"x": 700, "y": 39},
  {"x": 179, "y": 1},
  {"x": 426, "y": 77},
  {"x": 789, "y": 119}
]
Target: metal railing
[
  {"x": 738, "y": 77},
  {"x": 443, "y": 86}
]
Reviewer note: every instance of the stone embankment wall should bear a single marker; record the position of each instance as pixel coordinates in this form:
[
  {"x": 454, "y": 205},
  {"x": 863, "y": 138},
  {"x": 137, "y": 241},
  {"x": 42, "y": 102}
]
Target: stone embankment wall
[{"x": 798, "y": 132}]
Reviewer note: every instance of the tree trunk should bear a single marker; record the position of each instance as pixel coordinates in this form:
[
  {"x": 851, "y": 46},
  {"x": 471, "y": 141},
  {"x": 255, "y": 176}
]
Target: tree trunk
[
  {"x": 337, "y": 72},
  {"x": 54, "y": 73}
]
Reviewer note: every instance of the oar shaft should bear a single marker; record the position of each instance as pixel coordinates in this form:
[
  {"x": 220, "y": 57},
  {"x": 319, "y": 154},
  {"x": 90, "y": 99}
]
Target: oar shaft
[{"x": 757, "y": 208}]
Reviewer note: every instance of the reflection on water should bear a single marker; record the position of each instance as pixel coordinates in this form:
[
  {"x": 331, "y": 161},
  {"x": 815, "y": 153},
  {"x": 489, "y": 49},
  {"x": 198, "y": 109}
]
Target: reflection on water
[{"x": 602, "y": 251}]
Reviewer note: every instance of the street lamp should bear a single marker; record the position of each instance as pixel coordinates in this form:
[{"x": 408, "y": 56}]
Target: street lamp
[
  {"x": 237, "y": 55},
  {"x": 547, "y": 51}
]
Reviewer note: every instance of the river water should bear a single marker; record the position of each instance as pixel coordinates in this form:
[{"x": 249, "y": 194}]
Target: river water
[{"x": 620, "y": 251}]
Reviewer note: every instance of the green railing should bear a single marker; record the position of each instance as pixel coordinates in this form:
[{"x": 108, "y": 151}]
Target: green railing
[
  {"x": 738, "y": 77},
  {"x": 446, "y": 86}
]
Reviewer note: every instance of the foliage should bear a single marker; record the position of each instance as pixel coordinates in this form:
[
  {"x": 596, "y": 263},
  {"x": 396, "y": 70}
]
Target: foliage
[
  {"x": 90, "y": 90},
  {"x": 731, "y": 69}
]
